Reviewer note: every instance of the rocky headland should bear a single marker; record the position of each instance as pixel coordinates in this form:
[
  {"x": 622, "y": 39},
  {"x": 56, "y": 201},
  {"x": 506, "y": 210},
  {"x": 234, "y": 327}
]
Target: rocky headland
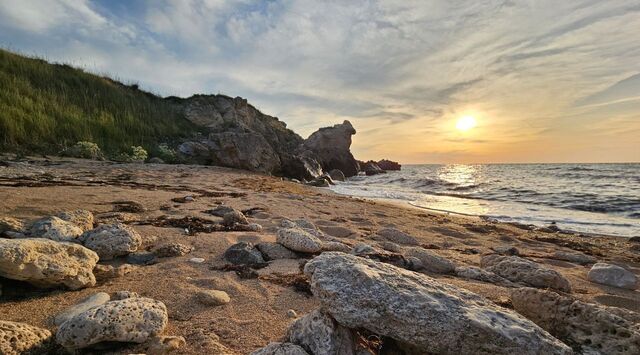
[{"x": 99, "y": 257}]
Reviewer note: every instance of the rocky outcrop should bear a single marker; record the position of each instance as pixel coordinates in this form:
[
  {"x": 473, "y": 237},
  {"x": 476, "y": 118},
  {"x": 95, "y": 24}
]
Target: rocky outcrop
[
  {"x": 388, "y": 165},
  {"x": 371, "y": 168},
  {"x": 418, "y": 312},
  {"x": 517, "y": 269},
  {"x": 590, "y": 328},
  {"x": 132, "y": 320},
  {"x": 612, "y": 275},
  {"x": 19, "y": 338},
  {"x": 46, "y": 263},
  {"x": 331, "y": 147}
]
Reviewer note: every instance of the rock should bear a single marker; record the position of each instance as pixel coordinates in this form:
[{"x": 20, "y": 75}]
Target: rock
[
  {"x": 361, "y": 249},
  {"x": 121, "y": 295},
  {"x": 517, "y": 269},
  {"x": 141, "y": 258},
  {"x": 81, "y": 218},
  {"x": 107, "y": 272},
  {"x": 337, "y": 175},
  {"x": 371, "y": 168},
  {"x": 414, "y": 264},
  {"x": 275, "y": 251},
  {"x": 390, "y": 246},
  {"x": 196, "y": 260},
  {"x": 388, "y": 165},
  {"x": 635, "y": 239},
  {"x": 336, "y": 246},
  {"x": 112, "y": 240},
  {"x": 577, "y": 258},
  {"x": 476, "y": 273},
  {"x": 84, "y": 304},
  {"x": 506, "y": 250},
  {"x": 132, "y": 320},
  {"x": 280, "y": 349},
  {"x": 301, "y": 165},
  {"x": 431, "y": 262},
  {"x": 19, "y": 338},
  {"x": 156, "y": 160},
  {"x": 220, "y": 210},
  {"x": 54, "y": 228},
  {"x": 243, "y": 253},
  {"x": 46, "y": 263},
  {"x": 241, "y": 150},
  {"x": 331, "y": 147},
  {"x": 318, "y": 333},
  {"x": 421, "y": 314},
  {"x": 8, "y": 224},
  {"x": 234, "y": 217},
  {"x": 161, "y": 345},
  {"x": 395, "y": 236},
  {"x": 298, "y": 239},
  {"x": 292, "y": 314},
  {"x": 337, "y": 231},
  {"x": 318, "y": 182},
  {"x": 595, "y": 329},
  {"x": 172, "y": 250},
  {"x": 612, "y": 275},
  {"x": 213, "y": 297}
]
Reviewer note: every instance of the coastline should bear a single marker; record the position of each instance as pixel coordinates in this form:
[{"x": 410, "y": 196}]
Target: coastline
[{"x": 257, "y": 313}]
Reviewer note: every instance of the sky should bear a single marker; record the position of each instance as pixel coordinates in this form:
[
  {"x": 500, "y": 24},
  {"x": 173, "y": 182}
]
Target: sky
[{"x": 546, "y": 81}]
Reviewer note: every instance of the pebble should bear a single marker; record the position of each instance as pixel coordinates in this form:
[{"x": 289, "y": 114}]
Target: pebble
[
  {"x": 213, "y": 297},
  {"x": 196, "y": 260},
  {"x": 292, "y": 314}
]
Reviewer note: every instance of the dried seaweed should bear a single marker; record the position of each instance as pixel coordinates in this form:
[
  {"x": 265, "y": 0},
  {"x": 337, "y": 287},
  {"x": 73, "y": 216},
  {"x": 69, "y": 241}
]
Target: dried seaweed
[{"x": 299, "y": 282}]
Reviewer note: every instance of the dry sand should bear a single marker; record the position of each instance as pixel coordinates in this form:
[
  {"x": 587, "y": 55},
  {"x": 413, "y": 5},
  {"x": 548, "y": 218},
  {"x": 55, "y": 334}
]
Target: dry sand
[{"x": 257, "y": 313}]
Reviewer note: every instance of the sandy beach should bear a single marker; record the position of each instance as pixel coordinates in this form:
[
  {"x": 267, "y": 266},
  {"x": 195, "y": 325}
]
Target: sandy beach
[{"x": 257, "y": 312}]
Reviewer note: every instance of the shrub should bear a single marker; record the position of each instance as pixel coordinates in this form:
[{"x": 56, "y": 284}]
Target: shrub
[
  {"x": 85, "y": 150},
  {"x": 166, "y": 153},
  {"x": 136, "y": 154}
]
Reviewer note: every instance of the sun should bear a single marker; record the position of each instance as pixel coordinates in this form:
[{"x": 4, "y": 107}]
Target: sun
[{"x": 465, "y": 123}]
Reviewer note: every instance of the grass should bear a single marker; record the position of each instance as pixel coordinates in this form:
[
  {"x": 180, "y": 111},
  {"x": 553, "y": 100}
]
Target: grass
[{"x": 45, "y": 108}]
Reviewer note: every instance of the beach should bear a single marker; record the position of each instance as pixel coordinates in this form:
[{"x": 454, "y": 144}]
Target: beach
[{"x": 258, "y": 309}]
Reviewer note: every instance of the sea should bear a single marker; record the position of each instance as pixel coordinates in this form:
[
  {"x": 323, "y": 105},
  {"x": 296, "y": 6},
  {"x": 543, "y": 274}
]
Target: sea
[{"x": 597, "y": 199}]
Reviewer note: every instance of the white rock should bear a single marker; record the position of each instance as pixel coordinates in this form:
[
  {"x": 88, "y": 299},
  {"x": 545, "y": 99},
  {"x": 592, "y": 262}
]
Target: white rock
[
  {"x": 111, "y": 240},
  {"x": 46, "y": 263},
  {"x": 612, "y": 275},
  {"x": 298, "y": 239},
  {"x": 84, "y": 304},
  {"x": 420, "y": 313},
  {"x": 318, "y": 333},
  {"x": 517, "y": 269},
  {"x": 19, "y": 338},
  {"x": 196, "y": 260},
  {"x": 54, "y": 228},
  {"x": 280, "y": 349},
  {"x": 430, "y": 261},
  {"x": 132, "y": 320}
]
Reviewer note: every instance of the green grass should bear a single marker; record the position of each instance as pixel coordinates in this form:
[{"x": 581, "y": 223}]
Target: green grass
[{"x": 45, "y": 108}]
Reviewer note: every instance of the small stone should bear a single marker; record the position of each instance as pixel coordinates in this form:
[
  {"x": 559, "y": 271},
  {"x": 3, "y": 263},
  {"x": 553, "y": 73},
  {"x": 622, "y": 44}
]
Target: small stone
[
  {"x": 413, "y": 263},
  {"x": 389, "y": 246},
  {"x": 243, "y": 253},
  {"x": 395, "y": 236},
  {"x": 172, "y": 250},
  {"x": 277, "y": 348},
  {"x": 121, "y": 295},
  {"x": 106, "y": 272},
  {"x": 506, "y": 250},
  {"x": 196, "y": 260},
  {"x": 84, "y": 304},
  {"x": 275, "y": 251},
  {"x": 81, "y": 218},
  {"x": 363, "y": 249},
  {"x": 112, "y": 240},
  {"x": 220, "y": 210},
  {"x": 54, "y": 228},
  {"x": 612, "y": 275},
  {"x": 336, "y": 246},
  {"x": 213, "y": 297},
  {"x": 20, "y": 338},
  {"x": 431, "y": 261},
  {"x": 577, "y": 258},
  {"x": 141, "y": 258},
  {"x": 298, "y": 239},
  {"x": 161, "y": 345},
  {"x": 234, "y": 217},
  {"x": 189, "y": 199},
  {"x": 292, "y": 314}
]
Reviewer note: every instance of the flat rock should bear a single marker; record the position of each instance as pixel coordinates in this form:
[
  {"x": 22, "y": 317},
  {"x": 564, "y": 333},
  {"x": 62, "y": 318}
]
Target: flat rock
[
  {"x": 594, "y": 328},
  {"x": 133, "y": 320},
  {"x": 275, "y": 251},
  {"x": 54, "y": 228},
  {"x": 297, "y": 239},
  {"x": 172, "y": 250},
  {"x": 277, "y": 348},
  {"x": 220, "y": 210},
  {"x": 612, "y": 275},
  {"x": 517, "y": 269},
  {"x": 318, "y": 333},
  {"x": 213, "y": 297},
  {"x": 81, "y": 218},
  {"x": 243, "y": 253},
  {"x": 421, "y": 314},
  {"x": 395, "y": 236},
  {"x": 85, "y": 304},
  {"x": 577, "y": 258},
  {"x": 46, "y": 263},
  {"x": 430, "y": 261},
  {"x": 19, "y": 338},
  {"x": 112, "y": 240}
]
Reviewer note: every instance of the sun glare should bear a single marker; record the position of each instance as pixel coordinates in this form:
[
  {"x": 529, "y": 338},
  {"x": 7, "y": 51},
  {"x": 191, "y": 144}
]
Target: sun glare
[{"x": 466, "y": 123}]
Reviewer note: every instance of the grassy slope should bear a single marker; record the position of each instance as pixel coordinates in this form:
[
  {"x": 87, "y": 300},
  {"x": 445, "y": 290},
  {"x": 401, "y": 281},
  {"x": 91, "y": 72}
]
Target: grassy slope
[{"x": 47, "y": 107}]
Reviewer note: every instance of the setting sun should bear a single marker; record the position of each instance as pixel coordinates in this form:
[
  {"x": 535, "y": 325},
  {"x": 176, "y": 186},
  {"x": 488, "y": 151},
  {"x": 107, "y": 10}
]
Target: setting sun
[{"x": 466, "y": 123}]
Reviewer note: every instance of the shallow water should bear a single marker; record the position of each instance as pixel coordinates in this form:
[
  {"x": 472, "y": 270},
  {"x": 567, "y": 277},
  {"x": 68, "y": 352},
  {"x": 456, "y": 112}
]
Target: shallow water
[{"x": 587, "y": 198}]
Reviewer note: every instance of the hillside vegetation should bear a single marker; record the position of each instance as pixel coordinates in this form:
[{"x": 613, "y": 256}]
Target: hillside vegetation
[{"x": 46, "y": 108}]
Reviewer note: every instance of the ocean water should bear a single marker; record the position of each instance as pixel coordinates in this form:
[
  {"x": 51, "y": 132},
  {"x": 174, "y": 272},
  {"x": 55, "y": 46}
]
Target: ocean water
[{"x": 586, "y": 198}]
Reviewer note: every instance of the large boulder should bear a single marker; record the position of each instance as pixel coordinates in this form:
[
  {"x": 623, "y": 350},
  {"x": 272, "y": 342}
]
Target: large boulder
[
  {"x": 19, "y": 338},
  {"x": 593, "y": 328},
  {"x": 46, "y": 263},
  {"x": 133, "y": 320},
  {"x": 54, "y": 228},
  {"x": 242, "y": 150},
  {"x": 517, "y": 269},
  {"x": 318, "y": 333},
  {"x": 420, "y": 313},
  {"x": 612, "y": 275},
  {"x": 112, "y": 240},
  {"x": 302, "y": 165},
  {"x": 331, "y": 147}
]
